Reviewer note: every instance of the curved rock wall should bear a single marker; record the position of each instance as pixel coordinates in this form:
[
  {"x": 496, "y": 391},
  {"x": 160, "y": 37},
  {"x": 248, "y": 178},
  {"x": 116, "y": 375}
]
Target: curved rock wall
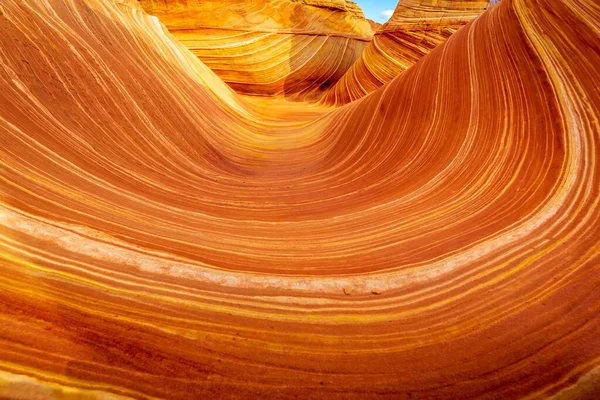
[
  {"x": 162, "y": 237},
  {"x": 416, "y": 28},
  {"x": 295, "y": 49}
]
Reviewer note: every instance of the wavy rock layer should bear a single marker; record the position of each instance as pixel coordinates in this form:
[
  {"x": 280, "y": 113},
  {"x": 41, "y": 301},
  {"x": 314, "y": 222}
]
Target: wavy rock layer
[
  {"x": 270, "y": 47},
  {"x": 162, "y": 237},
  {"x": 415, "y": 29}
]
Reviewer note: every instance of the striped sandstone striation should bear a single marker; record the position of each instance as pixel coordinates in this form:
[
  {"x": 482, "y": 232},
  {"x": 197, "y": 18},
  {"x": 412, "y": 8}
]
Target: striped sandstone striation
[
  {"x": 416, "y": 28},
  {"x": 295, "y": 49},
  {"x": 163, "y": 237}
]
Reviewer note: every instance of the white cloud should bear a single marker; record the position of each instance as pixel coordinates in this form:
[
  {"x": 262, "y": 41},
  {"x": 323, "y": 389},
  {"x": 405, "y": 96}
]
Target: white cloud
[{"x": 387, "y": 13}]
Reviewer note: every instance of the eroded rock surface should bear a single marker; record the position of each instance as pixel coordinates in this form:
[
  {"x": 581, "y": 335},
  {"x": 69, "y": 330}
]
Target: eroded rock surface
[
  {"x": 296, "y": 49},
  {"x": 415, "y": 29},
  {"x": 162, "y": 236}
]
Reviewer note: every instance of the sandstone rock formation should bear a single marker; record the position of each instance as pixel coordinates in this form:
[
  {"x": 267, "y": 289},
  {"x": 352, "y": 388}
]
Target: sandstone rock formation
[
  {"x": 375, "y": 26},
  {"x": 163, "y": 237},
  {"x": 270, "y": 47},
  {"x": 416, "y": 28}
]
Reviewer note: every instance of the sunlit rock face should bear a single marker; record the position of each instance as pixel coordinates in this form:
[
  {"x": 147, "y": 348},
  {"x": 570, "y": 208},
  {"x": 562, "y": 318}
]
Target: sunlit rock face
[
  {"x": 416, "y": 28},
  {"x": 295, "y": 49},
  {"x": 434, "y": 14},
  {"x": 375, "y": 26},
  {"x": 162, "y": 236}
]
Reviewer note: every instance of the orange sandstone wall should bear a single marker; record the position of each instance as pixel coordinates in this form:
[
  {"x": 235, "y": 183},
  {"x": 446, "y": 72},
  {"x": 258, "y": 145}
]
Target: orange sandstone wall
[
  {"x": 270, "y": 47},
  {"x": 162, "y": 237},
  {"x": 416, "y": 28}
]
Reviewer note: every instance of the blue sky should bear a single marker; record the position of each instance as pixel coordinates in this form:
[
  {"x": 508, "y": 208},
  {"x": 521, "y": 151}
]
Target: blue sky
[{"x": 374, "y": 9}]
